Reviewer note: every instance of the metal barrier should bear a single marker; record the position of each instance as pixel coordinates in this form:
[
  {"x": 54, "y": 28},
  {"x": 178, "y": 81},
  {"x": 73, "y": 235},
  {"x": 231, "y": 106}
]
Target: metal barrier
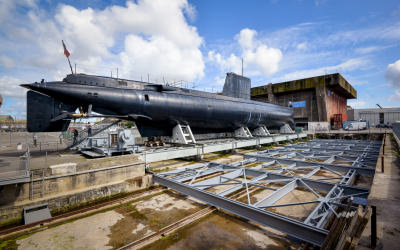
[
  {"x": 20, "y": 174},
  {"x": 24, "y": 160}
]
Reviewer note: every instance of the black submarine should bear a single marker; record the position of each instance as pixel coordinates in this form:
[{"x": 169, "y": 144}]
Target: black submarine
[{"x": 155, "y": 108}]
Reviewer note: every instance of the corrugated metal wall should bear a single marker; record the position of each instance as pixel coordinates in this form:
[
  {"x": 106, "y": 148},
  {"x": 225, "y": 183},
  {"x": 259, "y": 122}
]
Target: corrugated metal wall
[
  {"x": 335, "y": 104},
  {"x": 390, "y": 115},
  {"x": 373, "y": 118}
]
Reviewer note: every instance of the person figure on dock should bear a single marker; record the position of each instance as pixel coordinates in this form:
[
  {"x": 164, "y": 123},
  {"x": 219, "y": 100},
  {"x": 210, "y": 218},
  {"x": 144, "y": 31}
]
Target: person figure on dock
[
  {"x": 89, "y": 130},
  {"x": 76, "y": 133},
  {"x": 35, "y": 139}
]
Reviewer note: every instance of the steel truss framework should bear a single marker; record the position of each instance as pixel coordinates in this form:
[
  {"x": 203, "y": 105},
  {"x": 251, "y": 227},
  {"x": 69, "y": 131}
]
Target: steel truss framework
[{"x": 281, "y": 171}]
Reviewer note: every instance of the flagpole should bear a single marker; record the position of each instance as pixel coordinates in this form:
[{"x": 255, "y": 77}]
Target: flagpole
[
  {"x": 66, "y": 53},
  {"x": 70, "y": 65}
]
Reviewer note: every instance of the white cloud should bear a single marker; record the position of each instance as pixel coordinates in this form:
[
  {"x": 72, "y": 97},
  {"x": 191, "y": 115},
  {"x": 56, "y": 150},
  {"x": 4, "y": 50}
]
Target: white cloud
[
  {"x": 162, "y": 56},
  {"x": 7, "y": 7},
  {"x": 393, "y": 74},
  {"x": 103, "y": 39},
  {"x": 385, "y": 32},
  {"x": 227, "y": 64},
  {"x": 346, "y": 66},
  {"x": 246, "y": 39},
  {"x": 11, "y": 91},
  {"x": 10, "y": 87},
  {"x": 355, "y": 82},
  {"x": 370, "y": 49},
  {"x": 7, "y": 62},
  {"x": 263, "y": 60},
  {"x": 258, "y": 58},
  {"x": 395, "y": 97},
  {"x": 142, "y": 37},
  {"x": 319, "y": 2},
  {"x": 219, "y": 81},
  {"x": 356, "y": 103},
  {"x": 302, "y": 46},
  {"x": 190, "y": 12}
]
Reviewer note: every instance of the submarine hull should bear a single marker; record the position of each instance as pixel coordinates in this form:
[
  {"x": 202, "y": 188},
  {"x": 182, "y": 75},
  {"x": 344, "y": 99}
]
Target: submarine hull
[{"x": 156, "y": 111}]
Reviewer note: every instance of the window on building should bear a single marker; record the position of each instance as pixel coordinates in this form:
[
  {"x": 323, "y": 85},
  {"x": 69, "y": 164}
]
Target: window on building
[{"x": 381, "y": 118}]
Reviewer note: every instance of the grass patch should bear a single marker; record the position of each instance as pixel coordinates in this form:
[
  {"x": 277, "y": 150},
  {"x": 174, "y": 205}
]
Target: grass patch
[
  {"x": 77, "y": 206},
  {"x": 10, "y": 223},
  {"x": 160, "y": 170},
  {"x": 219, "y": 157},
  {"x": 396, "y": 153},
  {"x": 134, "y": 212},
  {"x": 12, "y": 243},
  {"x": 252, "y": 164}
]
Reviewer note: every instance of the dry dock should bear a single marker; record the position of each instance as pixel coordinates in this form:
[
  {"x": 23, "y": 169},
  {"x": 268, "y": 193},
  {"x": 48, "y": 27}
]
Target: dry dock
[{"x": 161, "y": 219}]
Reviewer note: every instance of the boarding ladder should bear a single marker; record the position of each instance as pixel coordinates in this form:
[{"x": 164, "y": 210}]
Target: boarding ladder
[
  {"x": 182, "y": 134},
  {"x": 36, "y": 184}
]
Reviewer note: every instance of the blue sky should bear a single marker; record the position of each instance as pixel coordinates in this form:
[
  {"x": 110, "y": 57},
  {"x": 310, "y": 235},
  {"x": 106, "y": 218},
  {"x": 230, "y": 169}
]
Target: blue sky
[{"x": 197, "y": 42}]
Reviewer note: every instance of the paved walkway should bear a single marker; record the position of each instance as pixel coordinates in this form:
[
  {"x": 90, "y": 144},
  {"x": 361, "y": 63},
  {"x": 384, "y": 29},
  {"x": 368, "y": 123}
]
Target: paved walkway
[{"x": 385, "y": 195}]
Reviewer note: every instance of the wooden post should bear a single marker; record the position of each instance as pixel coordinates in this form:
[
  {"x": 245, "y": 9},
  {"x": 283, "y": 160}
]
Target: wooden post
[
  {"x": 373, "y": 227},
  {"x": 384, "y": 142}
]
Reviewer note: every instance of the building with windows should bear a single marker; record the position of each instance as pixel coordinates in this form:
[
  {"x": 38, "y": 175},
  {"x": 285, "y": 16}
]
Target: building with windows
[{"x": 375, "y": 116}]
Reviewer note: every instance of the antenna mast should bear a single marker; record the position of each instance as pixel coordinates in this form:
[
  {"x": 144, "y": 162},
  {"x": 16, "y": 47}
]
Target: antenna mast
[{"x": 242, "y": 66}]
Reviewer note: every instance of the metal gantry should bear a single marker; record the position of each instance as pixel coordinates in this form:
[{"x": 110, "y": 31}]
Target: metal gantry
[
  {"x": 205, "y": 147},
  {"x": 322, "y": 169}
]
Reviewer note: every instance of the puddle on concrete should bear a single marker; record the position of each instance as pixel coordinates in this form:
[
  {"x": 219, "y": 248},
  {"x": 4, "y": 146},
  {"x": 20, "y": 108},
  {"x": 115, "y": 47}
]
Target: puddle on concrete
[
  {"x": 87, "y": 233},
  {"x": 222, "y": 231}
]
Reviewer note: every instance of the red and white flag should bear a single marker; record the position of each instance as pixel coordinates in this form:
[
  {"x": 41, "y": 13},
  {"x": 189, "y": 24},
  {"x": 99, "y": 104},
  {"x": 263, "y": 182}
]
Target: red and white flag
[{"x": 66, "y": 52}]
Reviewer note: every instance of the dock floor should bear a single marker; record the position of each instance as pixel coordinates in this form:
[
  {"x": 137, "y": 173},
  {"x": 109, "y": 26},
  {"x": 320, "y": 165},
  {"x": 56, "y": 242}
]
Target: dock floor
[{"x": 385, "y": 195}]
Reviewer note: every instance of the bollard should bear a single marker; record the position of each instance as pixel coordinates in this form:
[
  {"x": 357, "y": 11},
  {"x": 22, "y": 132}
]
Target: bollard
[
  {"x": 373, "y": 227},
  {"x": 382, "y": 164}
]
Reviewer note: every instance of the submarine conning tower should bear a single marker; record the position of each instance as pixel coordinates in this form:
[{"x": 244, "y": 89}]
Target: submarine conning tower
[{"x": 237, "y": 86}]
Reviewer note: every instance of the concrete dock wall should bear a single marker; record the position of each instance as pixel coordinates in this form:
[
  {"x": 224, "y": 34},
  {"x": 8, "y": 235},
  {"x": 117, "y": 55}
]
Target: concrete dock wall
[{"x": 70, "y": 189}]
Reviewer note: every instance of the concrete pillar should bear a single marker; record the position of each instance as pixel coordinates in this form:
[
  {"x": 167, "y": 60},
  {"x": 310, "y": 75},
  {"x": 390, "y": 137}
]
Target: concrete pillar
[
  {"x": 271, "y": 96},
  {"x": 321, "y": 103}
]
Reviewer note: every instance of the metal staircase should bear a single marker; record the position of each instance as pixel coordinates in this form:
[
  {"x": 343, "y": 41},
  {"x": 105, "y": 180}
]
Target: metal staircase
[
  {"x": 94, "y": 133},
  {"x": 182, "y": 134},
  {"x": 243, "y": 132},
  {"x": 261, "y": 131}
]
